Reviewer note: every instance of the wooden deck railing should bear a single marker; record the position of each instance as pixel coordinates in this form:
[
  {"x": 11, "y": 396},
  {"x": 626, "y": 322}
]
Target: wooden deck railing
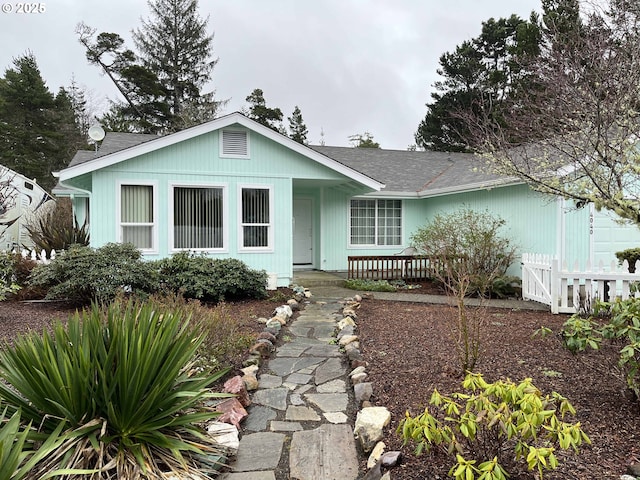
[{"x": 389, "y": 267}]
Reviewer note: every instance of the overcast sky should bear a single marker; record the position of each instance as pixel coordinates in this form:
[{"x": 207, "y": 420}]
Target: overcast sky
[{"x": 350, "y": 65}]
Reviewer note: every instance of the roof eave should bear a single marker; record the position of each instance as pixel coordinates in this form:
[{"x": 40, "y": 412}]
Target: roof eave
[{"x": 471, "y": 187}]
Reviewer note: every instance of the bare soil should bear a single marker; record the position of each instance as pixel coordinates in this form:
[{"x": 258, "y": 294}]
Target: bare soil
[{"x": 410, "y": 350}]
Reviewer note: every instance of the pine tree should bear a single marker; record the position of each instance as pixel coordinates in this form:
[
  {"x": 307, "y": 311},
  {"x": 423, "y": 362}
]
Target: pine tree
[
  {"x": 162, "y": 84},
  {"x": 258, "y": 111},
  {"x": 481, "y": 73},
  {"x": 38, "y": 134},
  {"x": 363, "y": 140},
  {"x": 297, "y": 129},
  {"x": 175, "y": 45}
]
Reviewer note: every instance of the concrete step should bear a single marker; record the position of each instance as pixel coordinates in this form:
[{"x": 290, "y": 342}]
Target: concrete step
[{"x": 317, "y": 278}]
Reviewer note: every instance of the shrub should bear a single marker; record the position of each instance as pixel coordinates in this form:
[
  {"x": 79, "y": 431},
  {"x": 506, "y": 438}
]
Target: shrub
[
  {"x": 491, "y": 427},
  {"x": 8, "y": 283},
  {"x": 621, "y": 325},
  {"x": 121, "y": 381},
  {"x": 224, "y": 338},
  {"x": 83, "y": 274},
  {"x": 631, "y": 255},
  {"x": 466, "y": 254},
  {"x": 56, "y": 228},
  {"x": 208, "y": 279},
  {"x": 506, "y": 286},
  {"x": 466, "y": 247},
  {"x": 370, "y": 285}
]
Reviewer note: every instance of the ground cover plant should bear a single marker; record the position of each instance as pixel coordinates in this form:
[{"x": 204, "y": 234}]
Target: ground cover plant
[{"x": 410, "y": 352}]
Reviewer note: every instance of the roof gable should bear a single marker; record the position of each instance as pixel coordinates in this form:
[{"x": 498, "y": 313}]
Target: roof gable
[{"x": 118, "y": 147}]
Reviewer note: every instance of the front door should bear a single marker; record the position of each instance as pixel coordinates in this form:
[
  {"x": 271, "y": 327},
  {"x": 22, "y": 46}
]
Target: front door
[{"x": 302, "y": 232}]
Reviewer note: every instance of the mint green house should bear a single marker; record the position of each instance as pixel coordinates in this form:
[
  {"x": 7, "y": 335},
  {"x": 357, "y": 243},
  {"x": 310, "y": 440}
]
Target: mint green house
[{"x": 235, "y": 188}]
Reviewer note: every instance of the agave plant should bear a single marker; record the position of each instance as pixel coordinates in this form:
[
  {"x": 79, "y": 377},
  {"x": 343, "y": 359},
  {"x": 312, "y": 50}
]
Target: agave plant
[{"x": 120, "y": 381}]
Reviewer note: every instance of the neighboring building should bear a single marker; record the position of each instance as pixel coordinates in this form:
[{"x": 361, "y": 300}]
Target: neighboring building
[
  {"x": 235, "y": 188},
  {"x": 24, "y": 199}
]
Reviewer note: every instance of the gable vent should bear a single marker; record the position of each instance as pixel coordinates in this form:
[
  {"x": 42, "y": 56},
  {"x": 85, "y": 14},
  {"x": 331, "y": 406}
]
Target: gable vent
[{"x": 235, "y": 143}]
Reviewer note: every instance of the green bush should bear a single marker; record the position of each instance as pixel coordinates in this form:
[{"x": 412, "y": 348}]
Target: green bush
[
  {"x": 121, "y": 379},
  {"x": 622, "y": 324},
  {"x": 506, "y": 286},
  {"x": 57, "y": 229},
  {"x": 208, "y": 279},
  {"x": 369, "y": 285},
  {"x": 83, "y": 274},
  {"x": 631, "y": 255},
  {"x": 490, "y": 428},
  {"x": 8, "y": 284}
]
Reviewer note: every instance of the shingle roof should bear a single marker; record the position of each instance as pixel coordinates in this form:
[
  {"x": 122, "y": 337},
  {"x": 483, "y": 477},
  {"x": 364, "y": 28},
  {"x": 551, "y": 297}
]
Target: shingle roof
[
  {"x": 113, "y": 142},
  {"x": 421, "y": 172}
]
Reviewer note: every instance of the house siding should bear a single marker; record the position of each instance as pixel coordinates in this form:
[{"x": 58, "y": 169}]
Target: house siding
[
  {"x": 197, "y": 162},
  {"x": 532, "y": 222},
  {"x": 608, "y": 237}
]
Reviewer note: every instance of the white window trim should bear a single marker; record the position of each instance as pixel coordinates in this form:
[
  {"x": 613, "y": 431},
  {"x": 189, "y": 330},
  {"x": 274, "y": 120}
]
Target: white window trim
[
  {"x": 154, "y": 225},
  {"x": 225, "y": 221},
  {"x": 355, "y": 246},
  {"x": 269, "y": 247},
  {"x": 221, "y": 142}
]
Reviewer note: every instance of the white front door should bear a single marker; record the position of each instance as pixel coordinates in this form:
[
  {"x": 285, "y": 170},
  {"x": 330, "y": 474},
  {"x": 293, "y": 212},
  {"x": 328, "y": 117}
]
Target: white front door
[{"x": 302, "y": 231}]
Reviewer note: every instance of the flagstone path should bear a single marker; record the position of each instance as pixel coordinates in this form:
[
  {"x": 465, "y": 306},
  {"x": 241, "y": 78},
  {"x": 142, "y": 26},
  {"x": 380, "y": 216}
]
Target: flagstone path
[{"x": 298, "y": 426}]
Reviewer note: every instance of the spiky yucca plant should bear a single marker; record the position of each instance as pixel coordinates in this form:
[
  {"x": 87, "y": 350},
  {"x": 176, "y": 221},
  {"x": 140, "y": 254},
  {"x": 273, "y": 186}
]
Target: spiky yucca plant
[{"x": 121, "y": 381}]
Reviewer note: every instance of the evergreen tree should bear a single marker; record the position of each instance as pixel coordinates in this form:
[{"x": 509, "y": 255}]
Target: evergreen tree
[
  {"x": 297, "y": 129},
  {"x": 175, "y": 45},
  {"x": 38, "y": 134},
  {"x": 162, "y": 84},
  {"x": 479, "y": 74},
  {"x": 258, "y": 111},
  {"x": 363, "y": 140}
]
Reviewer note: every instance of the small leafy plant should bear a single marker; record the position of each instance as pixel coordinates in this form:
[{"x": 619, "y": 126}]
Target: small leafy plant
[
  {"x": 631, "y": 255},
  {"x": 622, "y": 325},
  {"x": 8, "y": 283},
  {"x": 491, "y": 428},
  {"x": 370, "y": 285}
]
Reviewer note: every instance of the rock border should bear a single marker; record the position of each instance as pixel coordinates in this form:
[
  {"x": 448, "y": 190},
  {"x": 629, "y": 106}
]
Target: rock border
[
  {"x": 371, "y": 420},
  {"x": 225, "y": 430}
]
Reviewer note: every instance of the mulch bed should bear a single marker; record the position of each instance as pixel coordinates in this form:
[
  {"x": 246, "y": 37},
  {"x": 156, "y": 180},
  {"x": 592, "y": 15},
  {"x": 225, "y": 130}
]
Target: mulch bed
[{"x": 410, "y": 351}]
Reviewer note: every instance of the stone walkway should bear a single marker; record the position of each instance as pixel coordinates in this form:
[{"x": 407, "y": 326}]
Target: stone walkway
[{"x": 298, "y": 425}]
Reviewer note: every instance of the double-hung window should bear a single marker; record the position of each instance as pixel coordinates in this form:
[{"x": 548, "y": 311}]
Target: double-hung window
[
  {"x": 138, "y": 216},
  {"x": 198, "y": 217},
  {"x": 375, "y": 222},
  {"x": 256, "y": 218}
]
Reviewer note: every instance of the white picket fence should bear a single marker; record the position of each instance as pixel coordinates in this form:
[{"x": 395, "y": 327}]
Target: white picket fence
[
  {"x": 566, "y": 290},
  {"x": 35, "y": 256}
]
